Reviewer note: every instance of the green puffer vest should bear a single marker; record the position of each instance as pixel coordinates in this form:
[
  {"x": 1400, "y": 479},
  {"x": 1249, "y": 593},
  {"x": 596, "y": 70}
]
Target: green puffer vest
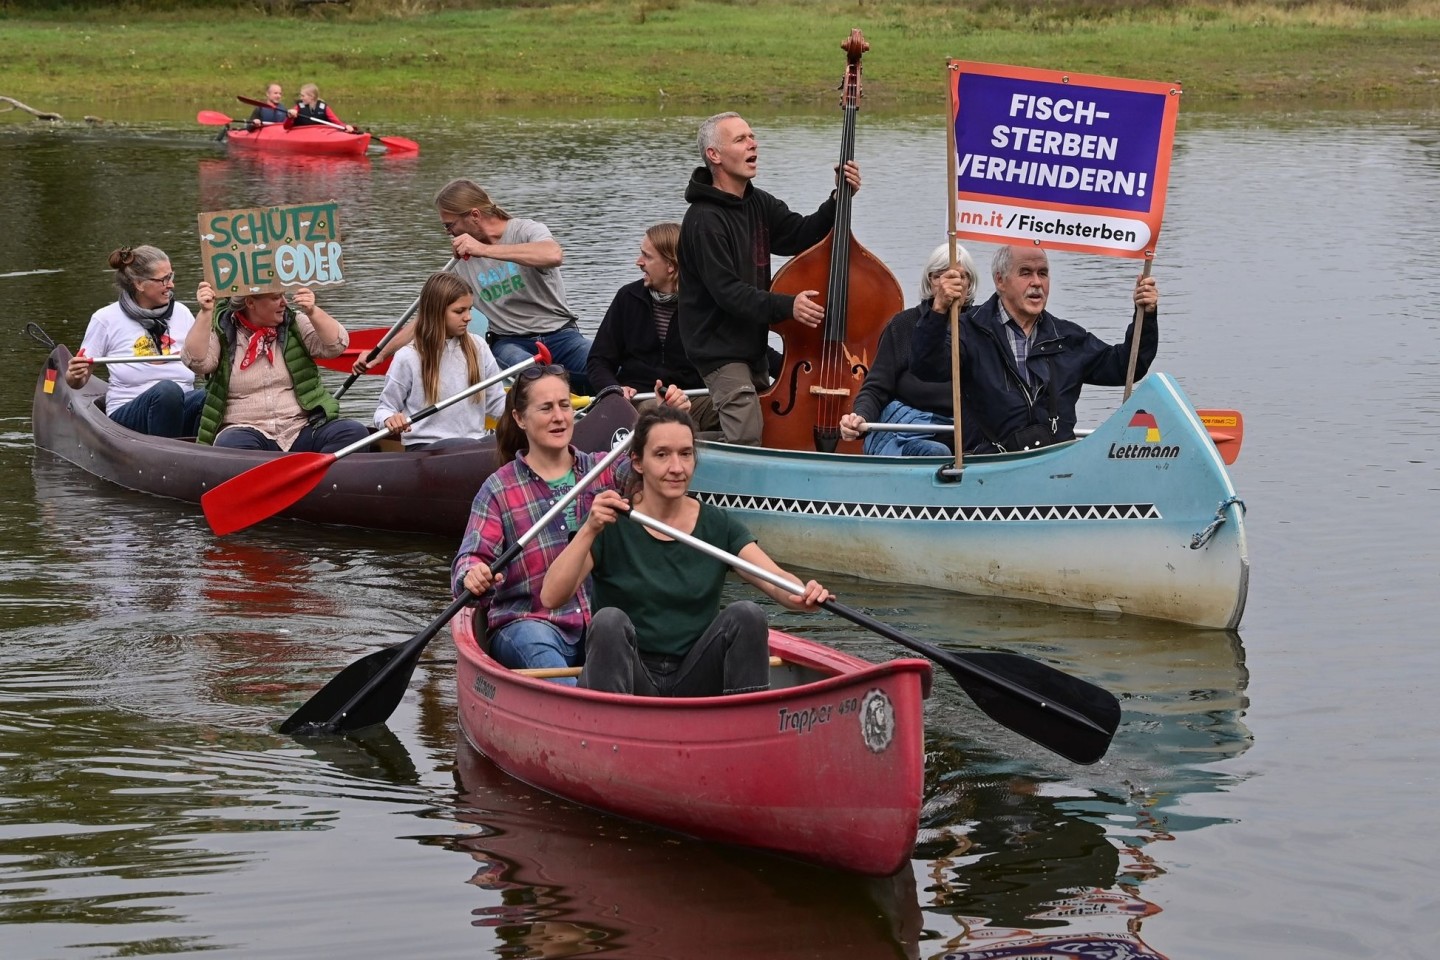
[{"x": 304, "y": 372}]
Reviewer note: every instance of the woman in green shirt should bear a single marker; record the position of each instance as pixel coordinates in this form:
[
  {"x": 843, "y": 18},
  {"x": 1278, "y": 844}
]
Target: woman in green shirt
[{"x": 658, "y": 629}]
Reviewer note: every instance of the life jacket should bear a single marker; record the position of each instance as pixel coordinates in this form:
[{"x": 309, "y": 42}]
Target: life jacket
[
  {"x": 304, "y": 374},
  {"x": 306, "y": 114}
]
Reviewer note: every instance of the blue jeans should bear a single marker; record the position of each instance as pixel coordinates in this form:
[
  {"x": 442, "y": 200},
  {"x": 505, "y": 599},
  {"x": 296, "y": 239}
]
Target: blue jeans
[
  {"x": 568, "y": 347},
  {"x": 166, "y": 409},
  {"x": 888, "y": 444},
  {"x": 326, "y": 438},
  {"x": 534, "y": 643}
]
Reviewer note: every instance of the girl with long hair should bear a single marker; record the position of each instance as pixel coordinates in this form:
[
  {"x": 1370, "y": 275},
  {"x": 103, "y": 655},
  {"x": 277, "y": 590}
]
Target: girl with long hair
[{"x": 443, "y": 359}]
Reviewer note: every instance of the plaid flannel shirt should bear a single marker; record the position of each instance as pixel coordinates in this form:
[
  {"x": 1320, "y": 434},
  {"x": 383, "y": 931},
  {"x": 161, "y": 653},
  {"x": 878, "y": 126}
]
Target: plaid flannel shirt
[{"x": 509, "y": 503}]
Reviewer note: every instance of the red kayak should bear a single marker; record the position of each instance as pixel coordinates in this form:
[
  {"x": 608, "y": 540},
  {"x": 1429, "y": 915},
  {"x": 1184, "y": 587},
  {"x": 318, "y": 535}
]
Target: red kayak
[
  {"x": 826, "y": 766},
  {"x": 326, "y": 141}
]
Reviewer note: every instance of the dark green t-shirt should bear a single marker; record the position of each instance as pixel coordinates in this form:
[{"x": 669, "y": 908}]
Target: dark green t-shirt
[{"x": 670, "y": 591}]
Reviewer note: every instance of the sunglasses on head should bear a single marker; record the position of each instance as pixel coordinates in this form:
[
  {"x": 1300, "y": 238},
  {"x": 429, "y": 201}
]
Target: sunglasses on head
[{"x": 549, "y": 370}]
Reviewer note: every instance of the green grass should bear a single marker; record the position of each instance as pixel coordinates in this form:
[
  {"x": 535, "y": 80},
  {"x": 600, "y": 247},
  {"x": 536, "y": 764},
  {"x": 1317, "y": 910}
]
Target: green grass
[{"x": 708, "y": 53}]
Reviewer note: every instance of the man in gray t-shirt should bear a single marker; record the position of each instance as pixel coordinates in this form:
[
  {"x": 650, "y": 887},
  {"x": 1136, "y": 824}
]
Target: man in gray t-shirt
[{"x": 513, "y": 265}]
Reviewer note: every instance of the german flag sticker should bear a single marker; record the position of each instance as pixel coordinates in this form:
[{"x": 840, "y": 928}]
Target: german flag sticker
[
  {"x": 1146, "y": 420},
  {"x": 50, "y": 380}
]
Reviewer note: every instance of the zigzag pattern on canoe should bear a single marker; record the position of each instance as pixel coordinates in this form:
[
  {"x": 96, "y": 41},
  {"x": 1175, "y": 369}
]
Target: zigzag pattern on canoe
[{"x": 887, "y": 511}]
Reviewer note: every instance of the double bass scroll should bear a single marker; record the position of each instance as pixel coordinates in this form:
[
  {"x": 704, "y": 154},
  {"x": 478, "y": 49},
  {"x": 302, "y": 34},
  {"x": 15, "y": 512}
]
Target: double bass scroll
[{"x": 824, "y": 367}]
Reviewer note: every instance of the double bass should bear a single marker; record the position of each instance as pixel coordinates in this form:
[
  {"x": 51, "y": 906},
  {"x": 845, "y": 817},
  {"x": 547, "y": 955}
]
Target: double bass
[{"x": 824, "y": 367}]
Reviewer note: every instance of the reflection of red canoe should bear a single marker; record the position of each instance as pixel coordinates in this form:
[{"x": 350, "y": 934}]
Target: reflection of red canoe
[
  {"x": 307, "y": 139},
  {"x": 826, "y": 766},
  {"x": 551, "y": 875}
]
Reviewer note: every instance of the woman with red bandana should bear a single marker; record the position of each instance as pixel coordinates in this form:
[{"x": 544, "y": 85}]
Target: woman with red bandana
[{"x": 265, "y": 391}]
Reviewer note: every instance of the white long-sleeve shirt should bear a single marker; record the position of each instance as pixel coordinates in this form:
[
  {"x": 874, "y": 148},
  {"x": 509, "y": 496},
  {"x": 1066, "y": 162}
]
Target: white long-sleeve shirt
[{"x": 404, "y": 392}]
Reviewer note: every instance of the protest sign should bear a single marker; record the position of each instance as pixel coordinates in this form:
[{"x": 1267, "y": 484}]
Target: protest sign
[
  {"x": 271, "y": 249},
  {"x": 1063, "y": 160}
]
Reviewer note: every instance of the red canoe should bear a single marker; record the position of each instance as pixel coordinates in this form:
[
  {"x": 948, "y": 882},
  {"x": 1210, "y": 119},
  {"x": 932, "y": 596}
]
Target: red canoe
[
  {"x": 326, "y": 141},
  {"x": 826, "y": 766}
]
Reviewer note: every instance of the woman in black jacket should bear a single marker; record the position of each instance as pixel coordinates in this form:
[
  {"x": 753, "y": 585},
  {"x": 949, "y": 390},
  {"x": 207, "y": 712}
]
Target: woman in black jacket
[{"x": 638, "y": 347}]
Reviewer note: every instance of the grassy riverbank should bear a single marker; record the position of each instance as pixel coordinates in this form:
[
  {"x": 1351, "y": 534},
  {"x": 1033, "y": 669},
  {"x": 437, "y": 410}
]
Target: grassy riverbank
[{"x": 711, "y": 53}]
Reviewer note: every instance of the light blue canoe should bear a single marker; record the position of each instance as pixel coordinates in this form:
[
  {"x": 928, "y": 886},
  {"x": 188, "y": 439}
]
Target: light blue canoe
[{"x": 1140, "y": 517}]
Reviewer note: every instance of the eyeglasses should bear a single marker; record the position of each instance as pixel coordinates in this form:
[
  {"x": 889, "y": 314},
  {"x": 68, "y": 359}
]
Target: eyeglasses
[
  {"x": 168, "y": 278},
  {"x": 449, "y": 225}
]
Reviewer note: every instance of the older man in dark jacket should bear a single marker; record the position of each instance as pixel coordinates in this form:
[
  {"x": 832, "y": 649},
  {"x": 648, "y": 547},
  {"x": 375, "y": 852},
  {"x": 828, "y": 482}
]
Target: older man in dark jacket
[{"x": 1021, "y": 367}]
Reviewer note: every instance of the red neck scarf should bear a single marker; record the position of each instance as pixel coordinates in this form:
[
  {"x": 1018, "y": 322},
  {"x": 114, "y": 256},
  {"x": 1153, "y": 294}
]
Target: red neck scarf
[{"x": 261, "y": 339}]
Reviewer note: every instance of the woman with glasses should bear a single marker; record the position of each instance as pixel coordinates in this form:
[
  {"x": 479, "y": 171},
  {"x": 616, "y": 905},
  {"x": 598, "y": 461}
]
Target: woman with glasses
[
  {"x": 659, "y": 629},
  {"x": 265, "y": 391},
  {"x": 158, "y": 399},
  {"x": 892, "y": 393},
  {"x": 539, "y": 466}
]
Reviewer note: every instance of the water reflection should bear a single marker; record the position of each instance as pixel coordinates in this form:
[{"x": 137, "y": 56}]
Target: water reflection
[
  {"x": 567, "y": 881},
  {"x": 267, "y": 180}
]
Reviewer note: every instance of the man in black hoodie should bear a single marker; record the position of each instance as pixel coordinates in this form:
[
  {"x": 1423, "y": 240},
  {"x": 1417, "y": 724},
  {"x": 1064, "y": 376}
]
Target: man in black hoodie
[{"x": 726, "y": 238}]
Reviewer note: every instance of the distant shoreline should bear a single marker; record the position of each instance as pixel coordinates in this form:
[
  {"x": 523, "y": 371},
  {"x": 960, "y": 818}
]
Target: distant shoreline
[{"x": 712, "y": 54}]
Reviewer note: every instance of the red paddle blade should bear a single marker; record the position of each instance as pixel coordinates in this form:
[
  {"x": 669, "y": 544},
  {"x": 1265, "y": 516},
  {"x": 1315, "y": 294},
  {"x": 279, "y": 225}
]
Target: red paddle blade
[
  {"x": 261, "y": 492},
  {"x": 361, "y": 343},
  {"x": 1226, "y": 429},
  {"x": 213, "y": 118},
  {"x": 399, "y": 144}
]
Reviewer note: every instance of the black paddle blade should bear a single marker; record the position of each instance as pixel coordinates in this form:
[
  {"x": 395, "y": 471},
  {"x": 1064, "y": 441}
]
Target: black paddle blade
[
  {"x": 1070, "y": 716},
  {"x": 318, "y": 714},
  {"x": 369, "y": 690}
]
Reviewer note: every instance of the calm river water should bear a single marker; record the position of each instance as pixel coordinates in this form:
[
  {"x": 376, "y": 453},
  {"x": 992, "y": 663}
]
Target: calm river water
[{"x": 1271, "y": 793}]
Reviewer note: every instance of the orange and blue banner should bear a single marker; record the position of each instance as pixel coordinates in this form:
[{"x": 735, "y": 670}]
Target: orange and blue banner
[{"x": 1066, "y": 161}]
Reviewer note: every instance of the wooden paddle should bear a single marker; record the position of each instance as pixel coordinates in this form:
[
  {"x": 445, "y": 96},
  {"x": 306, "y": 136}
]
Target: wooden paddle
[
  {"x": 398, "y": 144},
  {"x": 1225, "y": 427},
  {"x": 1070, "y": 716},
  {"x": 368, "y": 690},
  {"x": 390, "y": 335},
  {"x": 263, "y": 491}
]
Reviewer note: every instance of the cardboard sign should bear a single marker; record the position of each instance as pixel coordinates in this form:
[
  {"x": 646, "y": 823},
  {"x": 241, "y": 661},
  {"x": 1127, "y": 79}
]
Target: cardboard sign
[
  {"x": 1062, "y": 160},
  {"x": 271, "y": 249}
]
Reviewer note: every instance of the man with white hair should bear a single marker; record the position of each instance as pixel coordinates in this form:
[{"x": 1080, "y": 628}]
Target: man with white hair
[
  {"x": 726, "y": 308},
  {"x": 1022, "y": 367}
]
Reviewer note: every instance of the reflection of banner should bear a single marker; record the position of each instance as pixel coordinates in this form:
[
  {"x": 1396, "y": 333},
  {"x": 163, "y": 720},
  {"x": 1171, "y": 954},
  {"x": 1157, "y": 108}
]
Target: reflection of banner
[
  {"x": 271, "y": 248},
  {"x": 1066, "y": 161}
]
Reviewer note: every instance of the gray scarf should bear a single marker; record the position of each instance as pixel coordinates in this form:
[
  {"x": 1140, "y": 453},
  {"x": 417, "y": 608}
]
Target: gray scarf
[{"x": 155, "y": 320}]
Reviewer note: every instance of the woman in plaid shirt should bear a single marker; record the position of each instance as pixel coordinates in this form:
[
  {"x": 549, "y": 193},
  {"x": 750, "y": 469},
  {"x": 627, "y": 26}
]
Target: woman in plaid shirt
[{"x": 540, "y": 467}]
